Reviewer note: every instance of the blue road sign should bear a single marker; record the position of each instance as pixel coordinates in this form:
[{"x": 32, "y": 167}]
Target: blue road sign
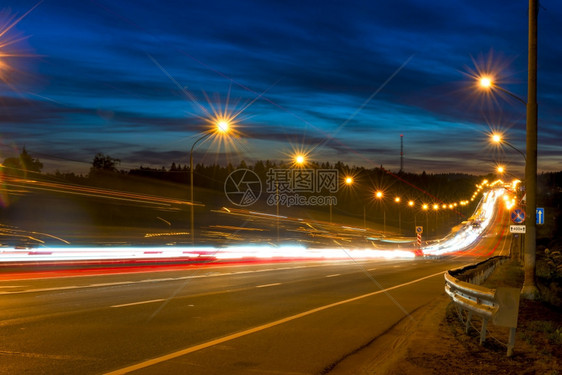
[
  {"x": 540, "y": 215},
  {"x": 517, "y": 215}
]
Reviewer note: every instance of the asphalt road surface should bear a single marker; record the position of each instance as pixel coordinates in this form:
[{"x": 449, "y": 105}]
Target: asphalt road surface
[{"x": 281, "y": 318}]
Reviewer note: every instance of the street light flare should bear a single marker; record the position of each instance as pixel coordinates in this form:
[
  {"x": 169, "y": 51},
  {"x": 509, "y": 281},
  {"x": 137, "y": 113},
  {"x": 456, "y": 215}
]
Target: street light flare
[
  {"x": 496, "y": 138},
  {"x": 223, "y": 126},
  {"x": 486, "y": 82},
  {"x": 349, "y": 180},
  {"x": 8, "y": 44},
  {"x": 378, "y": 194}
]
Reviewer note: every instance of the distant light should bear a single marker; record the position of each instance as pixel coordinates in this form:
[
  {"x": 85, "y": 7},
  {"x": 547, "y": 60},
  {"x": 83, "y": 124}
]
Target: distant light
[
  {"x": 411, "y": 203},
  {"x": 496, "y": 138},
  {"x": 397, "y": 199},
  {"x": 349, "y": 180},
  {"x": 299, "y": 159},
  {"x": 378, "y": 194},
  {"x": 501, "y": 169}
]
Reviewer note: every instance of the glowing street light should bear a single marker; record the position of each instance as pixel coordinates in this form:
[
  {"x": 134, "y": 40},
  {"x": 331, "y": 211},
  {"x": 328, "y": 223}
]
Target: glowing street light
[
  {"x": 221, "y": 127},
  {"x": 498, "y": 139},
  {"x": 300, "y": 159},
  {"x": 348, "y": 180},
  {"x": 486, "y": 82}
]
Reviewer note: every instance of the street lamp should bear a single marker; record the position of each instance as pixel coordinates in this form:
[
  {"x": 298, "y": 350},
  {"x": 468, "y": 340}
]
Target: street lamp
[
  {"x": 498, "y": 139},
  {"x": 379, "y": 195},
  {"x": 411, "y": 204},
  {"x": 397, "y": 201},
  {"x": 425, "y": 207},
  {"x": 221, "y": 127},
  {"x": 486, "y": 82},
  {"x": 350, "y": 181}
]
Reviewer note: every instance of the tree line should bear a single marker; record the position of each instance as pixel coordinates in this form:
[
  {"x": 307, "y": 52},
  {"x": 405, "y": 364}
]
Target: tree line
[{"x": 426, "y": 187}]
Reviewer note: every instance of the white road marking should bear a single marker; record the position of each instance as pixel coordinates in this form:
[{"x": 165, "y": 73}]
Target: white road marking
[
  {"x": 334, "y": 275},
  {"x": 267, "y": 285},
  {"x": 208, "y": 344},
  {"x": 139, "y": 303}
]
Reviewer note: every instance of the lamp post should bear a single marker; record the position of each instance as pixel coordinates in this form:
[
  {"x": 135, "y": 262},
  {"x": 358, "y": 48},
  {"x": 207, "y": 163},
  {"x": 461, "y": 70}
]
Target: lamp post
[
  {"x": 425, "y": 207},
  {"x": 529, "y": 290},
  {"x": 411, "y": 204},
  {"x": 435, "y": 208},
  {"x": 349, "y": 181},
  {"x": 221, "y": 126},
  {"x": 379, "y": 195},
  {"x": 397, "y": 201}
]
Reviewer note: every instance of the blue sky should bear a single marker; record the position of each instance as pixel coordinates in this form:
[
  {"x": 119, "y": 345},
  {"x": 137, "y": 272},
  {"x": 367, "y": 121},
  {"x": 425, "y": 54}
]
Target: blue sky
[{"x": 342, "y": 79}]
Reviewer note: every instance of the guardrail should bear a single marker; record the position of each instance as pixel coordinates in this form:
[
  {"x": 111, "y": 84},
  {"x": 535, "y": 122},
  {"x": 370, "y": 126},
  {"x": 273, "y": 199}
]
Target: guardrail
[{"x": 500, "y": 305}]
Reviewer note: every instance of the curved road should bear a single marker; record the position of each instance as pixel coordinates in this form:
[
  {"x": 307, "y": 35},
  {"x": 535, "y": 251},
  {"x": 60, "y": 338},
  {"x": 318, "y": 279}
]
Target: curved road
[{"x": 282, "y": 318}]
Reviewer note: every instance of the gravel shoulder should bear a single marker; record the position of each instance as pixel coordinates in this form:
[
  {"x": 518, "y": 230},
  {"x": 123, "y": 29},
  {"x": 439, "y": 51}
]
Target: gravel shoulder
[{"x": 434, "y": 342}]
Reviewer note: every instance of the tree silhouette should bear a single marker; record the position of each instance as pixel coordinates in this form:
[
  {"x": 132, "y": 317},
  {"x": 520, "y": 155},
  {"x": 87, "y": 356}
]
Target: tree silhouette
[
  {"x": 24, "y": 162},
  {"x": 104, "y": 163}
]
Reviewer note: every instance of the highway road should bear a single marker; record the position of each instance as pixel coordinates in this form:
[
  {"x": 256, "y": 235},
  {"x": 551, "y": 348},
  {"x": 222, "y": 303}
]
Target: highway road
[
  {"x": 265, "y": 318},
  {"x": 235, "y": 317}
]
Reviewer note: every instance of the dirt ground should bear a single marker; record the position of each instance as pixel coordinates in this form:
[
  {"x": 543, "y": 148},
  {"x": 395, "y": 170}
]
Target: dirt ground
[{"x": 435, "y": 343}]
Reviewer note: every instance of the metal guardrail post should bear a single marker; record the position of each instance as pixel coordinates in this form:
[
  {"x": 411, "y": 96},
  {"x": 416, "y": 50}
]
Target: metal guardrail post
[
  {"x": 483, "y": 331},
  {"x": 501, "y": 305},
  {"x": 511, "y": 342}
]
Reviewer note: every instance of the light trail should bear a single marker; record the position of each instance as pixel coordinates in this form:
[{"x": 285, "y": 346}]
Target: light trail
[{"x": 456, "y": 242}]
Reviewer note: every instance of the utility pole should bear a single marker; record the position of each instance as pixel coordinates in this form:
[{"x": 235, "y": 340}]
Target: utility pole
[{"x": 530, "y": 290}]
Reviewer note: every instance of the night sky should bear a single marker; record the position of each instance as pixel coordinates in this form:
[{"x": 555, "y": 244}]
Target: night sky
[{"x": 342, "y": 80}]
